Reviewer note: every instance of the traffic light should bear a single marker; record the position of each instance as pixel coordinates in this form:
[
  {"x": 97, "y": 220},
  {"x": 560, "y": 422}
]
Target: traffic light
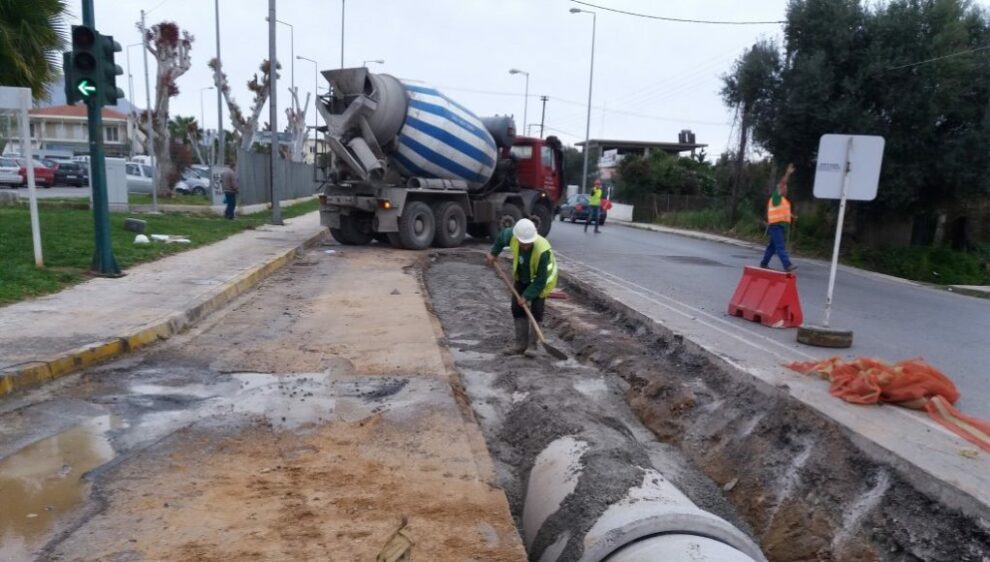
[
  {"x": 90, "y": 70},
  {"x": 109, "y": 71},
  {"x": 82, "y": 65}
]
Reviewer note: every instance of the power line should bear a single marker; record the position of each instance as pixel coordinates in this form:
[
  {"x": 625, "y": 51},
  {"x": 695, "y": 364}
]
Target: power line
[
  {"x": 160, "y": 4},
  {"x": 677, "y": 20},
  {"x": 960, "y": 53}
]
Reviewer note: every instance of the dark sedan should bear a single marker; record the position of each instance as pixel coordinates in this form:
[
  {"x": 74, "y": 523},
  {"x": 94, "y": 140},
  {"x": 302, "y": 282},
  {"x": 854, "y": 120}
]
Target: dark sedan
[
  {"x": 576, "y": 208},
  {"x": 71, "y": 173}
]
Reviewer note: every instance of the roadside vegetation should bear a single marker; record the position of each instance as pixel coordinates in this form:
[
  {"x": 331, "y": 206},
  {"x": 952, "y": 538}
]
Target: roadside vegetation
[
  {"x": 177, "y": 199},
  {"x": 912, "y": 71},
  {"x": 67, "y": 241}
]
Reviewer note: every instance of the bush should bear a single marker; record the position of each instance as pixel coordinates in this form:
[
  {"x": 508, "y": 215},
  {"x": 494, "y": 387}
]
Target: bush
[{"x": 942, "y": 266}]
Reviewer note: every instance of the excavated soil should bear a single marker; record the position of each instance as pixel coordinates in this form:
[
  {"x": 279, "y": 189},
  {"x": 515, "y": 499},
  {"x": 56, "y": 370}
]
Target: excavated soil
[{"x": 753, "y": 456}]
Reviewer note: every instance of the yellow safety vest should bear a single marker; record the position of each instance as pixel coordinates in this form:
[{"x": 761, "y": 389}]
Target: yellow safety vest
[
  {"x": 539, "y": 247},
  {"x": 780, "y": 213},
  {"x": 595, "y": 199}
]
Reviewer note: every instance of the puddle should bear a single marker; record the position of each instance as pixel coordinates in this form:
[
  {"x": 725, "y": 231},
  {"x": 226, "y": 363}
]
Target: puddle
[{"x": 43, "y": 481}]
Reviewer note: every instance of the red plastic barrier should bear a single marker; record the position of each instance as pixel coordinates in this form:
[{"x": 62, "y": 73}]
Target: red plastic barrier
[{"x": 768, "y": 297}]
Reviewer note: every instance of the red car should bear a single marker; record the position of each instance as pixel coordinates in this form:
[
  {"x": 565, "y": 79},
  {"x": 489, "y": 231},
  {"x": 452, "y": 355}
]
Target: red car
[{"x": 43, "y": 175}]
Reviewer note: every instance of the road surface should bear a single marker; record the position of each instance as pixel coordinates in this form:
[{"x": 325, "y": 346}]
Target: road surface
[{"x": 891, "y": 319}]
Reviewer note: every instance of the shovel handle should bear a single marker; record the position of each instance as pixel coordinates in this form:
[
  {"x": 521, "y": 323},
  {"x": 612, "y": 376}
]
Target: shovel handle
[{"x": 532, "y": 320}]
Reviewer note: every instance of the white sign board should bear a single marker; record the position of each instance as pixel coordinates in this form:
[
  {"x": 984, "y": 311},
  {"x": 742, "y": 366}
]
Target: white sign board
[{"x": 865, "y": 154}]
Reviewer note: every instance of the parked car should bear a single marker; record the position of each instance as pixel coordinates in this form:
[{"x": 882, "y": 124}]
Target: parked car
[
  {"x": 10, "y": 172},
  {"x": 71, "y": 173},
  {"x": 140, "y": 177},
  {"x": 576, "y": 208},
  {"x": 43, "y": 175},
  {"x": 192, "y": 184}
]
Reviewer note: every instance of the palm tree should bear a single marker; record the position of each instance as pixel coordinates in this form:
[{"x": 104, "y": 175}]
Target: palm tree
[{"x": 32, "y": 32}]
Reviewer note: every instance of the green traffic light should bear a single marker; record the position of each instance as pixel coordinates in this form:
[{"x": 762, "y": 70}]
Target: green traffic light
[{"x": 86, "y": 88}]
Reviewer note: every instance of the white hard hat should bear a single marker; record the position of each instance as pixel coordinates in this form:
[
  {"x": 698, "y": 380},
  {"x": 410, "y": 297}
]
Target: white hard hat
[{"x": 525, "y": 231}]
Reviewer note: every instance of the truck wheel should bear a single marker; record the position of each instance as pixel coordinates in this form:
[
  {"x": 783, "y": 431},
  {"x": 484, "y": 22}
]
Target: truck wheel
[
  {"x": 507, "y": 217},
  {"x": 477, "y": 230},
  {"x": 416, "y": 226},
  {"x": 395, "y": 241},
  {"x": 542, "y": 217},
  {"x": 451, "y": 224},
  {"x": 350, "y": 232}
]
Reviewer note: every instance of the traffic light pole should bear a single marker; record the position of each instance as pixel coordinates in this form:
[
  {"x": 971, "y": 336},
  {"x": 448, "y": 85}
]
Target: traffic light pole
[{"x": 104, "y": 262}]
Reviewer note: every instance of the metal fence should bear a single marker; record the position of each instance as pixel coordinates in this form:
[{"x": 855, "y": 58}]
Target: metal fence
[{"x": 294, "y": 179}]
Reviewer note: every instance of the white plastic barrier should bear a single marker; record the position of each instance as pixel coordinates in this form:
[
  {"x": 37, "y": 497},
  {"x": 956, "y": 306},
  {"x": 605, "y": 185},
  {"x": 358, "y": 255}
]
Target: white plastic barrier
[{"x": 621, "y": 211}]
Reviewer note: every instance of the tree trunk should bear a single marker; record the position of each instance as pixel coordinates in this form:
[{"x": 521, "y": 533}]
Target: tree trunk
[{"x": 740, "y": 161}]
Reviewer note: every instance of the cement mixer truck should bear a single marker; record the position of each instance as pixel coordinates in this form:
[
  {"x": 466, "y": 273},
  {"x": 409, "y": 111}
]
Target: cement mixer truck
[{"x": 409, "y": 166}]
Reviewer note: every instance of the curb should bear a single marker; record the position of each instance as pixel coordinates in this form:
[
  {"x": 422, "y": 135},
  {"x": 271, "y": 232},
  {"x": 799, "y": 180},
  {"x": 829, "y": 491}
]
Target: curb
[{"x": 36, "y": 373}]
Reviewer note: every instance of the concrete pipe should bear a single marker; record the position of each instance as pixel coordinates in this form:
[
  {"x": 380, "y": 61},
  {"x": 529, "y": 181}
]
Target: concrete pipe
[{"x": 653, "y": 521}]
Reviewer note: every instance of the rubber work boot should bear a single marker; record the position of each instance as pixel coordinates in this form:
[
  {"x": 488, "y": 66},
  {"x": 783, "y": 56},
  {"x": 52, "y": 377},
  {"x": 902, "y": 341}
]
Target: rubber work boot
[
  {"x": 518, "y": 346},
  {"x": 531, "y": 349}
]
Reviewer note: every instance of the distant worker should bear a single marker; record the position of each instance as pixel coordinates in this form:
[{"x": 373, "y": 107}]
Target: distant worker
[
  {"x": 778, "y": 221},
  {"x": 534, "y": 271},
  {"x": 228, "y": 180},
  {"x": 594, "y": 205}
]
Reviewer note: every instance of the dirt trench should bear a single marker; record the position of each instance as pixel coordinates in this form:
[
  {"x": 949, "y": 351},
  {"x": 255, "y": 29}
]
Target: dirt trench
[{"x": 753, "y": 456}]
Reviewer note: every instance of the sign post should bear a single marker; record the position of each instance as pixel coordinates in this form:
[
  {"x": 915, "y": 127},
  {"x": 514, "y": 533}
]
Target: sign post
[
  {"x": 848, "y": 169},
  {"x": 19, "y": 100}
]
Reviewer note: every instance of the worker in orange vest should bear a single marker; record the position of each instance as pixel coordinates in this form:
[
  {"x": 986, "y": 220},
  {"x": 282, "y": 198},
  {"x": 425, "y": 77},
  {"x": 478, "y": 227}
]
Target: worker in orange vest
[{"x": 778, "y": 221}]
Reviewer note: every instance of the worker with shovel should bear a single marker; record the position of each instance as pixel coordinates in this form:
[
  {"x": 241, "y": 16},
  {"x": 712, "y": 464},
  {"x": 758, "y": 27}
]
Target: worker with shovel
[{"x": 534, "y": 271}]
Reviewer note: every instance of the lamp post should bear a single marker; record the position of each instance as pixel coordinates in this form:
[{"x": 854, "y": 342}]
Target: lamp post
[
  {"x": 526, "y": 98},
  {"x": 591, "y": 78},
  {"x": 376, "y": 61},
  {"x": 202, "y": 117},
  {"x": 130, "y": 99},
  {"x": 343, "y": 6},
  {"x": 316, "y": 85}
]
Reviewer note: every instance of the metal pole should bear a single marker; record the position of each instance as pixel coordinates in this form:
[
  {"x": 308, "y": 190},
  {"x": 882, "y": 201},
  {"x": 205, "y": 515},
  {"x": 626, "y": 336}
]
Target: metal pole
[
  {"x": 26, "y": 152},
  {"x": 526, "y": 104},
  {"x": 273, "y": 112},
  {"x": 838, "y": 236},
  {"x": 543, "y": 114},
  {"x": 221, "y": 146},
  {"x": 151, "y": 128},
  {"x": 104, "y": 262},
  {"x": 343, "y": 5},
  {"x": 591, "y": 77},
  {"x": 202, "y": 123}
]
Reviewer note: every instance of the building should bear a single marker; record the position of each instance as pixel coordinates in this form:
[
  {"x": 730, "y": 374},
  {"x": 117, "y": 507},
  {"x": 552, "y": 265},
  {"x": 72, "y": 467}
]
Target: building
[
  {"x": 65, "y": 128},
  {"x": 613, "y": 150},
  {"x": 312, "y": 147}
]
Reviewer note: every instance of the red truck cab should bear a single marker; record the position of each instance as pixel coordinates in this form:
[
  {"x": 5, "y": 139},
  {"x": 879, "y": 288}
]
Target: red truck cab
[{"x": 540, "y": 165}]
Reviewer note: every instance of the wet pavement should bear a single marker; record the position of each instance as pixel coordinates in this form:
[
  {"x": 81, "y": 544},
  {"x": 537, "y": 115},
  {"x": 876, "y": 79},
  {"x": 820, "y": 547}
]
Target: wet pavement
[{"x": 268, "y": 432}]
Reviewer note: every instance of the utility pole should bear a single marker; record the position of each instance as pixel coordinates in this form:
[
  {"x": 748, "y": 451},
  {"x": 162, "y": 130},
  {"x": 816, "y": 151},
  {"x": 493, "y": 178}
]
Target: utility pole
[
  {"x": 221, "y": 146},
  {"x": 273, "y": 112},
  {"x": 151, "y": 128},
  {"x": 543, "y": 114},
  {"x": 130, "y": 99},
  {"x": 343, "y": 5}
]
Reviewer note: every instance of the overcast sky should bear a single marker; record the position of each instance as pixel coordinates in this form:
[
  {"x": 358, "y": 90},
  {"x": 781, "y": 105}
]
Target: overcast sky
[{"x": 652, "y": 78}]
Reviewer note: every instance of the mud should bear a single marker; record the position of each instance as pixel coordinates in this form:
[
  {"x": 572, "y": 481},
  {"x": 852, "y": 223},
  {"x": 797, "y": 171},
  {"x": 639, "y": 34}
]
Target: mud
[
  {"x": 793, "y": 479},
  {"x": 524, "y": 404}
]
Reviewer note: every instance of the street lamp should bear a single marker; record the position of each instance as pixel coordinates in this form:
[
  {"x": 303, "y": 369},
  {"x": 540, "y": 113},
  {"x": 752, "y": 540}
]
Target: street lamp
[
  {"x": 591, "y": 77},
  {"x": 376, "y": 61},
  {"x": 130, "y": 99},
  {"x": 316, "y": 85},
  {"x": 202, "y": 116},
  {"x": 292, "y": 48},
  {"x": 526, "y": 99}
]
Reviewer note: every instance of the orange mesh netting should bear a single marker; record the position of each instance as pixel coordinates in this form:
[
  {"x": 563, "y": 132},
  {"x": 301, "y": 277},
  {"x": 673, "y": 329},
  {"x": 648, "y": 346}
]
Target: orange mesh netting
[{"x": 912, "y": 384}]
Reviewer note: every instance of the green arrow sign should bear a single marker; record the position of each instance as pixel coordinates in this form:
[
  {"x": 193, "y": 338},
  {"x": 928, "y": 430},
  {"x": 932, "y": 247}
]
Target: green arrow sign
[{"x": 86, "y": 88}]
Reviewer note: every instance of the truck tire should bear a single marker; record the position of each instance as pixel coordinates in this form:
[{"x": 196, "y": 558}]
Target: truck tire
[
  {"x": 507, "y": 217},
  {"x": 395, "y": 241},
  {"x": 451, "y": 223},
  {"x": 416, "y": 226},
  {"x": 543, "y": 218},
  {"x": 350, "y": 232}
]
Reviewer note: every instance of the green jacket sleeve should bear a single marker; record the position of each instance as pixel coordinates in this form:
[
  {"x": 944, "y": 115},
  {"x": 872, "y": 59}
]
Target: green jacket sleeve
[
  {"x": 501, "y": 241},
  {"x": 534, "y": 289}
]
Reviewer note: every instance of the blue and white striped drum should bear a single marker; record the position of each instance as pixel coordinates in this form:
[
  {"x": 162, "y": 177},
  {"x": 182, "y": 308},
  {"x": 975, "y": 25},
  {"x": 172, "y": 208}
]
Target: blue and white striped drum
[{"x": 442, "y": 139}]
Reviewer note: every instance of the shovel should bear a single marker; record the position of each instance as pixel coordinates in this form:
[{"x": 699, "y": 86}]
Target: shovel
[{"x": 532, "y": 321}]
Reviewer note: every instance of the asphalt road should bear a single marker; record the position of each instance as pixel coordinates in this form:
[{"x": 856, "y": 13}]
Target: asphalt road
[{"x": 891, "y": 319}]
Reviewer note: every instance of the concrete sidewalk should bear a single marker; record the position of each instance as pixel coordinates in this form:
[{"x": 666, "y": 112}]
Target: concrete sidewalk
[{"x": 48, "y": 337}]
